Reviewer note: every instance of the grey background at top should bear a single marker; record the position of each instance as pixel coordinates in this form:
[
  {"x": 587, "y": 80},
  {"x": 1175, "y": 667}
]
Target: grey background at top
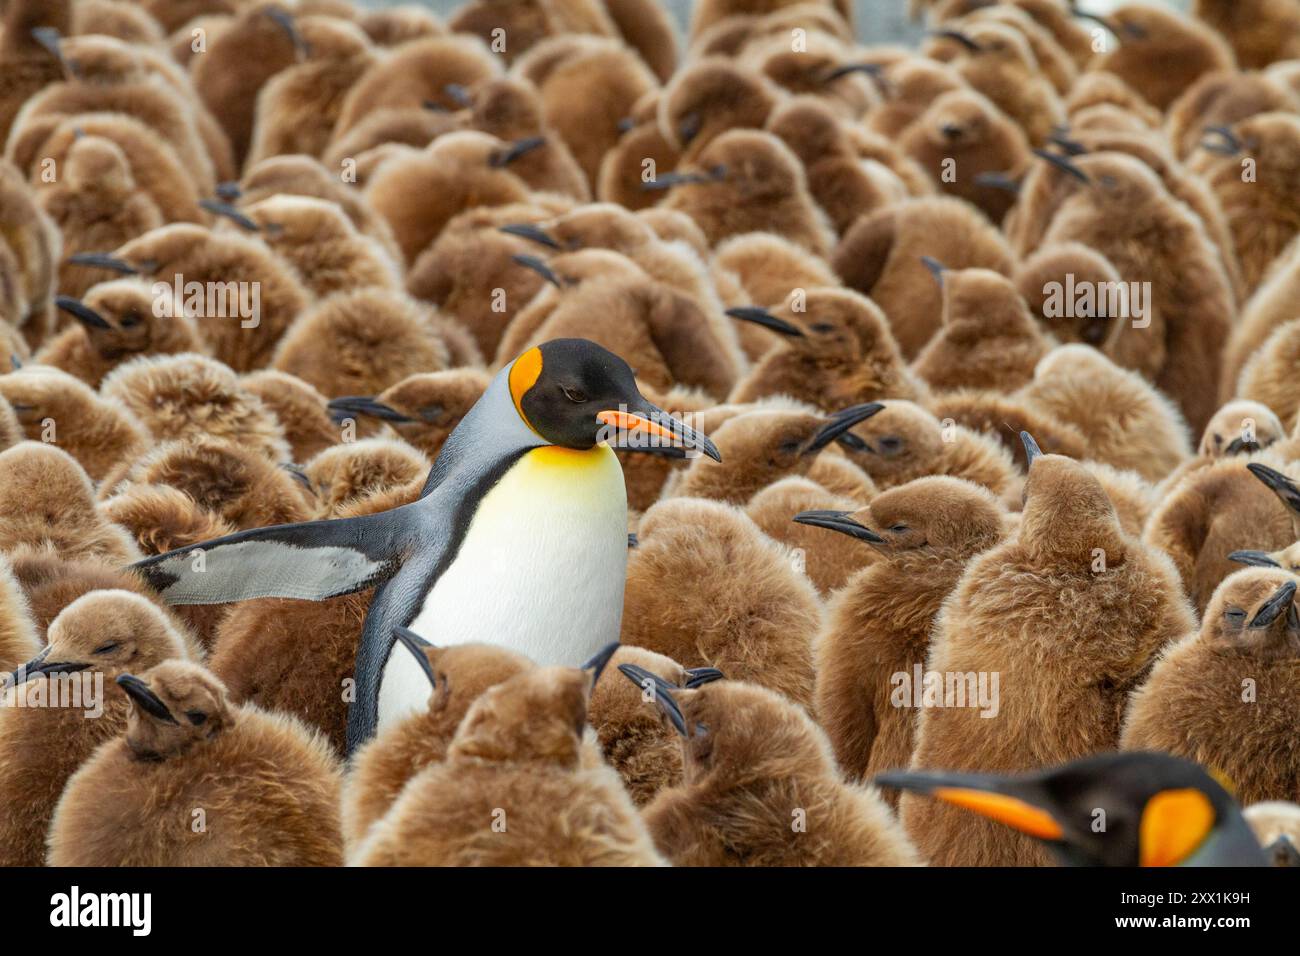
[{"x": 878, "y": 21}]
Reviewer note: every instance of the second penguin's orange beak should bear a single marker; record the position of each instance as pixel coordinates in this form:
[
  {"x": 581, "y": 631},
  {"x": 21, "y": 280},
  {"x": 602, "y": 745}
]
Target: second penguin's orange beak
[{"x": 661, "y": 428}]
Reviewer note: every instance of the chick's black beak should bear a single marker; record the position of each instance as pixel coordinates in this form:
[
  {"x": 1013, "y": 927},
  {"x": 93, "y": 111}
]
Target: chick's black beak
[
  {"x": 652, "y": 429},
  {"x": 145, "y": 699},
  {"x": 541, "y": 268},
  {"x": 840, "y": 423},
  {"x": 349, "y": 406},
  {"x": 598, "y": 661},
  {"x": 838, "y": 521},
  {"x": 1064, "y": 163},
  {"x": 417, "y": 646},
  {"x": 668, "y": 180},
  {"x": 661, "y": 691},
  {"x": 1032, "y": 451},
  {"x": 41, "y": 665},
  {"x": 81, "y": 312},
  {"x": 1275, "y": 606},
  {"x": 515, "y": 150},
  {"x": 1278, "y": 483},
  {"x": 102, "y": 260},
  {"x": 219, "y": 207},
  {"x": 1257, "y": 559},
  {"x": 873, "y": 70},
  {"x": 996, "y": 798},
  {"x": 960, "y": 37},
  {"x": 699, "y": 676},
  {"x": 760, "y": 316},
  {"x": 526, "y": 230}
]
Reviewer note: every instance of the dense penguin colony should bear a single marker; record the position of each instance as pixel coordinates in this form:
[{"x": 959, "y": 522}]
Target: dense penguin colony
[{"x": 995, "y": 532}]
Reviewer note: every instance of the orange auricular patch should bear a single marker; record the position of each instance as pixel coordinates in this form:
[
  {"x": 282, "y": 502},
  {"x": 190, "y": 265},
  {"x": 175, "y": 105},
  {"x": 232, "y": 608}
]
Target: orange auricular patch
[
  {"x": 1174, "y": 823},
  {"x": 1024, "y": 817},
  {"x": 523, "y": 376}
]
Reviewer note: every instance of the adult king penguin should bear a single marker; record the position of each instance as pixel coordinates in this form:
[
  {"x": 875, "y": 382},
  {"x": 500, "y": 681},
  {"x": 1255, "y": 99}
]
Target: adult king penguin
[{"x": 519, "y": 536}]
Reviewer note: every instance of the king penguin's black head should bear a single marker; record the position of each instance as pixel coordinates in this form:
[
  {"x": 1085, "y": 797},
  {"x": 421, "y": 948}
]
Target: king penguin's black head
[
  {"x": 574, "y": 393},
  {"x": 1116, "y": 809}
]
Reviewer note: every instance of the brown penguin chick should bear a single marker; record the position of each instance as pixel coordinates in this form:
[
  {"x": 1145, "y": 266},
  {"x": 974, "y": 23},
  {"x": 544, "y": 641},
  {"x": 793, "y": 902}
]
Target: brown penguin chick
[
  {"x": 826, "y": 562},
  {"x": 306, "y": 176},
  {"x": 639, "y": 155},
  {"x": 1240, "y": 427},
  {"x": 756, "y": 623},
  {"x": 998, "y": 61},
  {"x": 911, "y": 85},
  {"x": 756, "y": 767},
  {"x": 359, "y": 343},
  {"x": 970, "y": 149},
  {"x": 878, "y": 626},
  {"x": 95, "y": 204},
  {"x": 517, "y": 788},
  {"x": 1251, "y": 168},
  {"x": 1276, "y": 824},
  {"x": 323, "y": 245},
  {"x": 903, "y": 441},
  {"x": 108, "y": 76},
  {"x": 749, "y": 181},
  {"x": 988, "y": 338},
  {"x": 1190, "y": 291},
  {"x": 1103, "y": 99},
  {"x": 588, "y": 85},
  {"x": 241, "y": 320},
  {"x": 456, "y": 172},
  {"x": 192, "y": 396},
  {"x": 728, "y": 36},
  {"x": 510, "y": 108},
  {"x": 394, "y": 26},
  {"x": 881, "y": 256},
  {"x": 1055, "y": 62},
  {"x": 634, "y": 740},
  {"x": 1056, "y": 278},
  {"x": 18, "y": 640},
  {"x": 1267, "y": 376},
  {"x": 32, "y": 241},
  {"x": 837, "y": 351},
  {"x": 241, "y": 57},
  {"x": 234, "y": 481},
  {"x": 761, "y": 444},
  {"x": 422, "y": 409},
  {"x": 1260, "y": 32},
  {"x": 472, "y": 258},
  {"x": 417, "y": 73},
  {"x": 155, "y": 169},
  {"x": 1159, "y": 52},
  {"x": 302, "y": 411},
  {"x": 844, "y": 183},
  {"x": 162, "y": 518},
  {"x": 344, "y": 474},
  {"x": 45, "y": 733},
  {"x": 54, "y": 407},
  {"x": 299, "y": 657},
  {"x": 1124, "y": 606},
  {"x": 296, "y": 109},
  {"x": 647, "y": 27},
  {"x": 401, "y": 125},
  {"x": 49, "y": 504},
  {"x": 665, "y": 335},
  {"x": 531, "y": 23},
  {"x": 1226, "y": 695},
  {"x": 710, "y": 97},
  {"x": 1140, "y": 428},
  {"x": 381, "y": 767},
  {"x": 1222, "y": 99},
  {"x": 1270, "y": 307},
  {"x": 268, "y": 787},
  {"x": 27, "y": 64},
  {"x": 125, "y": 21},
  {"x": 116, "y": 322}
]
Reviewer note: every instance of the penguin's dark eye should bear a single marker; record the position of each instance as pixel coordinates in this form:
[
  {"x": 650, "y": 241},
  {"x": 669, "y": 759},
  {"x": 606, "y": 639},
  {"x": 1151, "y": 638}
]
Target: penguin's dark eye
[
  {"x": 575, "y": 395},
  {"x": 1234, "y": 615},
  {"x": 195, "y": 717},
  {"x": 105, "y": 648},
  {"x": 891, "y": 444},
  {"x": 130, "y": 320},
  {"x": 899, "y": 529},
  {"x": 823, "y": 327}
]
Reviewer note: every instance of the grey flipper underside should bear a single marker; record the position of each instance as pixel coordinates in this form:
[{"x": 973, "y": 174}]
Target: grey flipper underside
[{"x": 313, "y": 560}]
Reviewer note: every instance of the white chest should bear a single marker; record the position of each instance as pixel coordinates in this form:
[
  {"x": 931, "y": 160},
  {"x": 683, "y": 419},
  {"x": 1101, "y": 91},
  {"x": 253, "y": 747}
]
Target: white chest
[{"x": 541, "y": 570}]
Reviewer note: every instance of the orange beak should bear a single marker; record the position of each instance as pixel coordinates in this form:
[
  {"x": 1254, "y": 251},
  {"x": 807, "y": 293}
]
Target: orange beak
[{"x": 659, "y": 427}]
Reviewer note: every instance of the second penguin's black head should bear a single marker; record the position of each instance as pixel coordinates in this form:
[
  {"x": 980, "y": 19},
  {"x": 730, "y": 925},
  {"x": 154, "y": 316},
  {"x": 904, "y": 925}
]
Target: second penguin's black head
[{"x": 574, "y": 393}]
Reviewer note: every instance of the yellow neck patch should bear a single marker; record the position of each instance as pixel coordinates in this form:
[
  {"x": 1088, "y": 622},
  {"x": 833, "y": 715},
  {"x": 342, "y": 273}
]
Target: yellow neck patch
[{"x": 524, "y": 373}]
